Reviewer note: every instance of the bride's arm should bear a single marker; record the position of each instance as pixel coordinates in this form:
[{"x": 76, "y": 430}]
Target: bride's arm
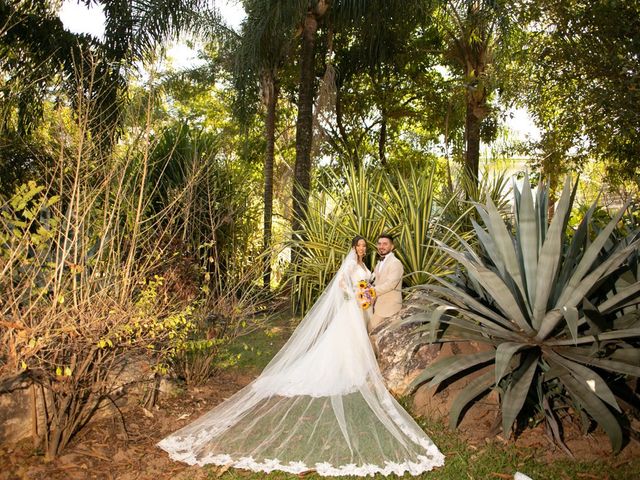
[{"x": 345, "y": 282}]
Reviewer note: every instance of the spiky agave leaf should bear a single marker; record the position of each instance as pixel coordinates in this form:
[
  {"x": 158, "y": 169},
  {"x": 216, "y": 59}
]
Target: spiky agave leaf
[
  {"x": 472, "y": 391},
  {"x": 517, "y": 390}
]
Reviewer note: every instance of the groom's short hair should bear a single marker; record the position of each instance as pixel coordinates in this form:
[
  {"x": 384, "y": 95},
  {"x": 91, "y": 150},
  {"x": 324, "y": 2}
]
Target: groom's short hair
[{"x": 387, "y": 236}]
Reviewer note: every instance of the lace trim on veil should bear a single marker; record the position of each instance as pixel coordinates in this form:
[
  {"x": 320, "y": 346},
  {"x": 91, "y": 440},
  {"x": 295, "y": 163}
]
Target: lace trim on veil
[
  {"x": 326, "y": 469},
  {"x": 181, "y": 449}
]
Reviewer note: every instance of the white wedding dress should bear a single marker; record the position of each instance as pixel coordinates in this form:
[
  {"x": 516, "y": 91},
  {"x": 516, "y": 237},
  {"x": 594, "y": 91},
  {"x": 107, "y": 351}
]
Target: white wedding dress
[{"x": 320, "y": 404}]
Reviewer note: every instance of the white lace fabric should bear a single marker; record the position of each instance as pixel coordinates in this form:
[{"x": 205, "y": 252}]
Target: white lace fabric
[{"x": 320, "y": 404}]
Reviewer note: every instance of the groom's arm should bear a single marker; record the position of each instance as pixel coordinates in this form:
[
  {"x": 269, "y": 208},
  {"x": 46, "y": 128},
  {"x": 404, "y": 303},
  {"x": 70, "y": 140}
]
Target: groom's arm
[{"x": 394, "y": 278}]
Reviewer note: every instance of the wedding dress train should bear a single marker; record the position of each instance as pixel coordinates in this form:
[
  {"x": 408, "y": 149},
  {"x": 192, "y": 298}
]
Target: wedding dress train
[{"x": 320, "y": 404}]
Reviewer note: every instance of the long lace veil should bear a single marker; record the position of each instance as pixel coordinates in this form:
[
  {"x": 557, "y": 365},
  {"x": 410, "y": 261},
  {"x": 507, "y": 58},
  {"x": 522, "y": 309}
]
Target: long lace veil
[{"x": 320, "y": 404}]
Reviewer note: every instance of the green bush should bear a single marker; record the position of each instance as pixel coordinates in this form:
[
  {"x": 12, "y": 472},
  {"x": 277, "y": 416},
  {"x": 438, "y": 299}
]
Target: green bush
[
  {"x": 410, "y": 205},
  {"x": 95, "y": 276}
]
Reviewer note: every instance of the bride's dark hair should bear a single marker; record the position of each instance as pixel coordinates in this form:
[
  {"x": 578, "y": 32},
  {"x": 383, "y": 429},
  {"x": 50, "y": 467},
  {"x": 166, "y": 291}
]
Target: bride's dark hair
[{"x": 356, "y": 239}]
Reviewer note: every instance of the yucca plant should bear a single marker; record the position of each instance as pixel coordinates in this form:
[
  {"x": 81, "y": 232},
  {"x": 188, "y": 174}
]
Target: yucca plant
[
  {"x": 368, "y": 203},
  {"x": 410, "y": 205},
  {"x": 344, "y": 206},
  {"x": 559, "y": 312},
  {"x": 468, "y": 190}
]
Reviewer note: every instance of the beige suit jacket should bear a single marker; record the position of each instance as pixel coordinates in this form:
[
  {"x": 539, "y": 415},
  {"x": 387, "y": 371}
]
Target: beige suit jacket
[{"x": 388, "y": 286}]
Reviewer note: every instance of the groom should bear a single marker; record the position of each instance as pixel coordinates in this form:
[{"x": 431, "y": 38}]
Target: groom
[{"x": 387, "y": 282}]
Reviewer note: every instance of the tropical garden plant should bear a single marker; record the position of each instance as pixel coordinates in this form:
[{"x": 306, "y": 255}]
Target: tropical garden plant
[
  {"x": 558, "y": 310},
  {"x": 409, "y": 205},
  {"x": 106, "y": 262}
]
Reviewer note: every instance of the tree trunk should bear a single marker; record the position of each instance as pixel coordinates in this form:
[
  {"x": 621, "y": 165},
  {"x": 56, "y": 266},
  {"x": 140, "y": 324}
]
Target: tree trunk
[
  {"x": 552, "y": 177},
  {"x": 472, "y": 140},
  {"x": 351, "y": 153},
  {"x": 382, "y": 142},
  {"x": 271, "y": 97},
  {"x": 304, "y": 124}
]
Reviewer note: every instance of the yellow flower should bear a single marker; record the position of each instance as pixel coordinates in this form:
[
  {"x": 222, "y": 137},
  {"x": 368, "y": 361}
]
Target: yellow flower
[
  {"x": 372, "y": 292},
  {"x": 362, "y": 284},
  {"x": 365, "y": 305}
]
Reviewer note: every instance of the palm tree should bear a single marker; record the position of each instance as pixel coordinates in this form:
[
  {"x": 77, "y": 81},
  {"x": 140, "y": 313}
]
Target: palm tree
[
  {"x": 34, "y": 48},
  {"x": 304, "y": 123},
  {"x": 34, "y": 35},
  {"x": 392, "y": 56},
  {"x": 269, "y": 18},
  {"x": 474, "y": 30},
  {"x": 340, "y": 14},
  {"x": 264, "y": 46}
]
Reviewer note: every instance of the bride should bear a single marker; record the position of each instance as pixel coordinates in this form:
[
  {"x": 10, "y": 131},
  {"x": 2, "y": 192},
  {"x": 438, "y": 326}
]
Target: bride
[{"x": 320, "y": 404}]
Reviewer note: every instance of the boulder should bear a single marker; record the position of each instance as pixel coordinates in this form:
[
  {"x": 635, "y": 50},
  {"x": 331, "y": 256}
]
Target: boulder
[
  {"x": 401, "y": 360},
  {"x": 15, "y": 415},
  {"x": 436, "y": 402}
]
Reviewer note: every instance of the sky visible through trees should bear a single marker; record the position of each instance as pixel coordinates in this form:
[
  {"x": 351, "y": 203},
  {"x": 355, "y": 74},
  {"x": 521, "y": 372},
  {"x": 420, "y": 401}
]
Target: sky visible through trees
[{"x": 78, "y": 19}]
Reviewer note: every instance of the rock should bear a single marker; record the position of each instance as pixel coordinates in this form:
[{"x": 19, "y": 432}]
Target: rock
[
  {"x": 401, "y": 361},
  {"x": 16, "y": 421},
  {"x": 15, "y": 416},
  {"x": 169, "y": 388},
  {"x": 399, "y": 358}
]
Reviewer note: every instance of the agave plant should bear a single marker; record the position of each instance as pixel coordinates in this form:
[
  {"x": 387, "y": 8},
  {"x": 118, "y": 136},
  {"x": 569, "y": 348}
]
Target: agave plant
[
  {"x": 342, "y": 207},
  {"x": 559, "y": 312}
]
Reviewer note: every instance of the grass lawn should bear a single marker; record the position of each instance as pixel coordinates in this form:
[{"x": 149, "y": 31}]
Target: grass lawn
[{"x": 250, "y": 353}]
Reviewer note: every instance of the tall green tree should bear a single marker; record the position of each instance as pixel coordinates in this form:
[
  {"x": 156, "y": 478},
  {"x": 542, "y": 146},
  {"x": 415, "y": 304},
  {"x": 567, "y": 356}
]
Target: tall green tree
[
  {"x": 332, "y": 16},
  {"x": 34, "y": 43},
  {"x": 583, "y": 82},
  {"x": 388, "y": 101},
  {"x": 475, "y": 32},
  {"x": 35, "y": 51},
  {"x": 315, "y": 12},
  {"x": 264, "y": 47}
]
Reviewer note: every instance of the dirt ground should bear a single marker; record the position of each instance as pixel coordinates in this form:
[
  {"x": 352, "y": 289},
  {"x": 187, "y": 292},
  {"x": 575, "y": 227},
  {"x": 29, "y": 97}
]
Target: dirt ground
[
  {"x": 594, "y": 445},
  {"x": 104, "y": 451}
]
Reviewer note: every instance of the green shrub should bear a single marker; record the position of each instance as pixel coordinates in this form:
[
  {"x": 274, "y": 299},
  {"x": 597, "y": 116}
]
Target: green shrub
[
  {"x": 63, "y": 325},
  {"x": 410, "y": 205}
]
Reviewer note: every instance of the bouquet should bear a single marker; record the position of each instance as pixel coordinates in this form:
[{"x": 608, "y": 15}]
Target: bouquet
[{"x": 365, "y": 294}]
